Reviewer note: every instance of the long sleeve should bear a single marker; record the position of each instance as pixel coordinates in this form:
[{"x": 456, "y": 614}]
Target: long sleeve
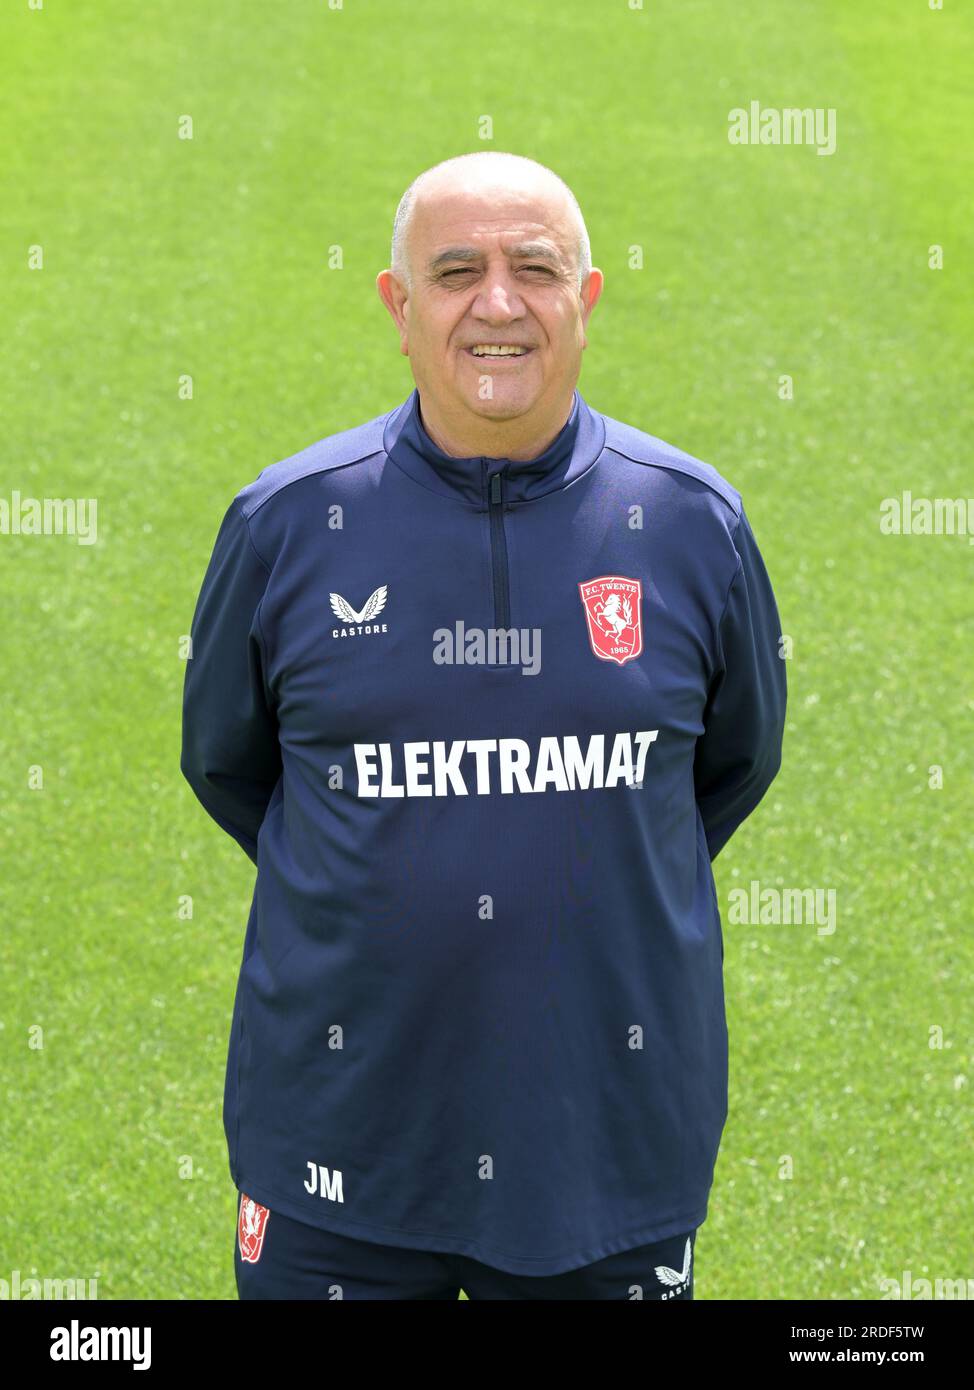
[
  {"x": 231, "y": 756},
  {"x": 739, "y": 753}
]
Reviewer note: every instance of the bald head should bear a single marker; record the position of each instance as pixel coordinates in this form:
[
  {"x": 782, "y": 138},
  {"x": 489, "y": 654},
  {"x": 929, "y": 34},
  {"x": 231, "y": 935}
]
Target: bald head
[
  {"x": 491, "y": 289},
  {"x": 484, "y": 170}
]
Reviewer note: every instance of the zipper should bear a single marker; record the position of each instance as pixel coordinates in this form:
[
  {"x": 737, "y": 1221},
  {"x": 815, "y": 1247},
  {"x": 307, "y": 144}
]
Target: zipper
[{"x": 498, "y": 548}]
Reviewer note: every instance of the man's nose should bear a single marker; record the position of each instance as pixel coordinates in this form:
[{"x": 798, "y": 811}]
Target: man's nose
[{"x": 498, "y": 300}]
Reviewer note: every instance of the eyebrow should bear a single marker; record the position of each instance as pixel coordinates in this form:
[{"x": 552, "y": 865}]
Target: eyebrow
[{"x": 525, "y": 250}]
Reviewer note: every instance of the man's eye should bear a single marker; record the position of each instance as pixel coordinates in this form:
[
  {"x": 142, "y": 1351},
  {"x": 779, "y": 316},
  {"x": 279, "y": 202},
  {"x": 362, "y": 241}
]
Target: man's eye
[{"x": 468, "y": 270}]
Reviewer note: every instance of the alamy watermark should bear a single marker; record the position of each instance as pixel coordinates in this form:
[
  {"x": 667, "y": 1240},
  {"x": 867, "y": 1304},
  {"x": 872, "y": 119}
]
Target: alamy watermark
[
  {"x": 782, "y": 125},
  {"x": 33, "y": 1287},
  {"x": 756, "y": 906},
  {"x": 77, "y": 1343},
  {"x": 927, "y": 516},
  {"x": 912, "y": 1288},
  {"x": 50, "y": 516},
  {"x": 492, "y": 646}
]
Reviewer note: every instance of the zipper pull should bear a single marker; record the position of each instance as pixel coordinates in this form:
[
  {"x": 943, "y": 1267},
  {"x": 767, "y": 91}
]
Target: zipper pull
[{"x": 495, "y": 488}]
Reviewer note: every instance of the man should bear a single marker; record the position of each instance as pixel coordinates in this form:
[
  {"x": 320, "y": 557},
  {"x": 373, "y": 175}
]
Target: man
[{"x": 481, "y": 686}]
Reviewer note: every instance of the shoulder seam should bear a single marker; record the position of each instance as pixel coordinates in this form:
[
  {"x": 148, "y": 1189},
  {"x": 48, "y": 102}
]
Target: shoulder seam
[
  {"x": 738, "y": 570},
  {"x": 261, "y": 638},
  {"x": 324, "y": 468},
  {"x": 246, "y": 521},
  {"x": 674, "y": 466}
]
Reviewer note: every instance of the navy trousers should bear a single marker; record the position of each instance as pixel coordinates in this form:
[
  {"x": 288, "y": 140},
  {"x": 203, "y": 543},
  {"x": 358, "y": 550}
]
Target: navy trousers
[{"x": 276, "y": 1257}]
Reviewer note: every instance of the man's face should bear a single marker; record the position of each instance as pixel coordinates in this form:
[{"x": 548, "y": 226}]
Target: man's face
[{"x": 492, "y": 266}]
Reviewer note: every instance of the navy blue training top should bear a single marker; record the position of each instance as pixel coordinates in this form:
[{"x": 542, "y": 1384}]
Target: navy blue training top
[{"x": 482, "y": 726}]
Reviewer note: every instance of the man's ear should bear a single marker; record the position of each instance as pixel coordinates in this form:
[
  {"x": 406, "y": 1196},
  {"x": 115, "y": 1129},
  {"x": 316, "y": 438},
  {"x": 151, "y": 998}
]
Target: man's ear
[
  {"x": 590, "y": 294},
  {"x": 395, "y": 297}
]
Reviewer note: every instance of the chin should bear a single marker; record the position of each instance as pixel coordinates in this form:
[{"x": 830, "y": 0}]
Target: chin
[{"x": 505, "y": 405}]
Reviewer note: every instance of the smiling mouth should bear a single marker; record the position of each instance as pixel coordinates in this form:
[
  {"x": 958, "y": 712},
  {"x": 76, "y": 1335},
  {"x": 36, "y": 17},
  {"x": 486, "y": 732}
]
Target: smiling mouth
[{"x": 495, "y": 357}]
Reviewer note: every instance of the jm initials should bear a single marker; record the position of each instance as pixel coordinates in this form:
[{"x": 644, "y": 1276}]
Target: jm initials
[{"x": 324, "y": 1182}]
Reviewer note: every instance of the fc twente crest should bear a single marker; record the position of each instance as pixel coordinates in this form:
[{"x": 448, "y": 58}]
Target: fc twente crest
[
  {"x": 613, "y": 611},
  {"x": 251, "y": 1225}
]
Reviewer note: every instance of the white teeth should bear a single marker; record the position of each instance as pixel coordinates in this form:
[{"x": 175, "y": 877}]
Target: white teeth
[{"x": 486, "y": 350}]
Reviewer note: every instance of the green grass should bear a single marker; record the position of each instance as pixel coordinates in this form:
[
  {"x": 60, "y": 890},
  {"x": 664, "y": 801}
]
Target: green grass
[{"x": 210, "y": 257}]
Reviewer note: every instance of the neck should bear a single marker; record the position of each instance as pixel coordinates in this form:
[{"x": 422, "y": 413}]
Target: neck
[{"x": 520, "y": 439}]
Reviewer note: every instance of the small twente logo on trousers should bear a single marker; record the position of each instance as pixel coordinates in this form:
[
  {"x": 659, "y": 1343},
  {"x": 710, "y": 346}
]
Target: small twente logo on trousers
[{"x": 251, "y": 1227}]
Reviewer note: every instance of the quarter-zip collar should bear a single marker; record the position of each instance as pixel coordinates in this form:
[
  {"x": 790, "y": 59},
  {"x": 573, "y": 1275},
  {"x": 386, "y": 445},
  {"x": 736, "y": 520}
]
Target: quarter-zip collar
[{"x": 571, "y": 453}]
